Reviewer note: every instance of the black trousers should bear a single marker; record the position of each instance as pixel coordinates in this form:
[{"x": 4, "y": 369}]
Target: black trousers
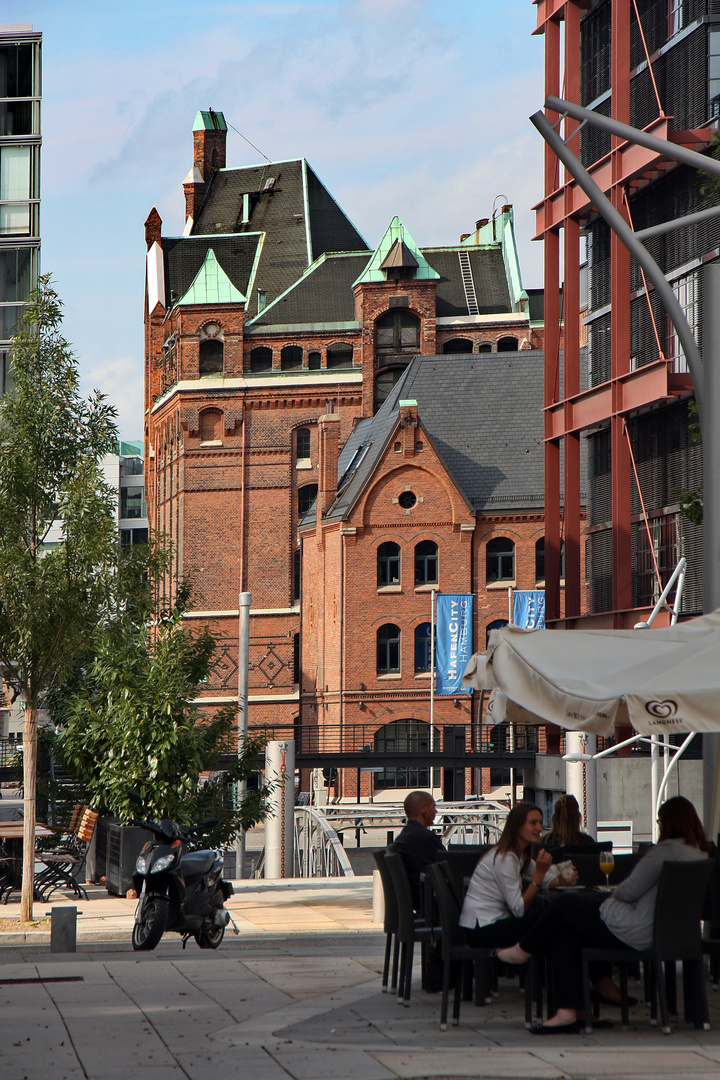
[
  {"x": 504, "y": 932},
  {"x": 567, "y": 925}
]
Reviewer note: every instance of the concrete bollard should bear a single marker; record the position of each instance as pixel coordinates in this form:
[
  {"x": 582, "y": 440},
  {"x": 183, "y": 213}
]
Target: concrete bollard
[
  {"x": 378, "y": 898},
  {"x": 63, "y": 929}
]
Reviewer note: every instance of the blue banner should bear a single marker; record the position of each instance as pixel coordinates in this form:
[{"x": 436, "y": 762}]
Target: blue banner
[
  {"x": 529, "y": 609},
  {"x": 453, "y": 642}
]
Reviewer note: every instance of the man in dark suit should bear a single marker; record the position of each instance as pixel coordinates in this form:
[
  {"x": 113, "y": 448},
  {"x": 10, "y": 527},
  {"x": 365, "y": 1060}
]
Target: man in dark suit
[{"x": 417, "y": 843}]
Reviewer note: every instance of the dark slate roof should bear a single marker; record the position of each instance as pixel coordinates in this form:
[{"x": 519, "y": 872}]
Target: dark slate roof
[
  {"x": 483, "y": 415},
  {"x": 184, "y": 255},
  {"x": 279, "y": 211},
  {"x": 489, "y": 278},
  {"x": 323, "y": 295}
]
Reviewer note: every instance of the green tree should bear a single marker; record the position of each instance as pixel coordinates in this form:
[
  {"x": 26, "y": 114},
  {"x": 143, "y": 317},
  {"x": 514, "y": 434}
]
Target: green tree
[
  {"x": 131, "y": 722},
  {"x": 51, "y": 444}
]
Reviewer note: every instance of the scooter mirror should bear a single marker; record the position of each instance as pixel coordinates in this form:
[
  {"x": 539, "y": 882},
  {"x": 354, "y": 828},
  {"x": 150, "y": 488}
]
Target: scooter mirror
[
  {"x": 208, "y": 823},
  {"x": 134, "y": 798}
]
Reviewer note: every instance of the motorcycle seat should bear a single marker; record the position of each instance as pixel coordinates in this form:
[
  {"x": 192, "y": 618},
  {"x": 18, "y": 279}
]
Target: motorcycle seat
[{"x": 196, "y": 863}]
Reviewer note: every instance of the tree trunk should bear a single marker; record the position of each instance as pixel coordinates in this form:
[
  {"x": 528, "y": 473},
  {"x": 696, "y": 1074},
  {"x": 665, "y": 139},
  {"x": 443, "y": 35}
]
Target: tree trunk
[{"x": 30, "y": 787}]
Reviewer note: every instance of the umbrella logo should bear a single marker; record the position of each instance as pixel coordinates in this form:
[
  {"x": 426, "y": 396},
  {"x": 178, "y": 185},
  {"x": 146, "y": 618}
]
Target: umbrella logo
[{"x": 661, "y": 709}]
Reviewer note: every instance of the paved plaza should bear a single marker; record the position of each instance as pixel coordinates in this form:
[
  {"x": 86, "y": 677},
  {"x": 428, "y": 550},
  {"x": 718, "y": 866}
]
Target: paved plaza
[{"x": 295, "y": 996}]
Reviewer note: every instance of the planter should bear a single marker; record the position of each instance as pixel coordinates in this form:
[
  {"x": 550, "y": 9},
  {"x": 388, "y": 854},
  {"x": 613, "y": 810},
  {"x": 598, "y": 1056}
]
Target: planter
[{"x": 124, "y": 843}]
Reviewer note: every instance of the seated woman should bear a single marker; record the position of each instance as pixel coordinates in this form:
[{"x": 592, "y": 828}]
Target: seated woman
[
  {"x": 565, "y": 825},
  {"x": 498, "y": 907},
  {"x": 625, "y": 919}
]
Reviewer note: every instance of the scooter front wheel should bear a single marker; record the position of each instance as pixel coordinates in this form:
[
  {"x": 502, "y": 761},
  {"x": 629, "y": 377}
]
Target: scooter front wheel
[
  {"x": 150, "y": 922},
  {"x": 210, "y": 937}
]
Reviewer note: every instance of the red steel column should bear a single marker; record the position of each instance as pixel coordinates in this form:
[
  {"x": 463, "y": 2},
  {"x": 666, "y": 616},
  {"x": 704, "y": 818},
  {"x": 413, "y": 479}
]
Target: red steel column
[
  {"x": 571, "y": 309},
  {"x": 620, "y": 322},
  {"x": 552, "y": 344}
]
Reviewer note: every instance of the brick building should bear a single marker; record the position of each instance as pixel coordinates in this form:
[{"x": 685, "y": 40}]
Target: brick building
[
  {"x": 269, "y": 306},
  {"x": 440, "y": 490}
]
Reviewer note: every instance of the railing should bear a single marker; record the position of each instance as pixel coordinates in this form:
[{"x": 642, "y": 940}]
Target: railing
[
  {"x": 456, "y": 739},
  {"x": 318, "y": 851}
]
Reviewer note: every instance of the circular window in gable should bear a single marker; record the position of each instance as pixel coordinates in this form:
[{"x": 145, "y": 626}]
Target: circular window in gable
[{"x": 407, "y": 500}]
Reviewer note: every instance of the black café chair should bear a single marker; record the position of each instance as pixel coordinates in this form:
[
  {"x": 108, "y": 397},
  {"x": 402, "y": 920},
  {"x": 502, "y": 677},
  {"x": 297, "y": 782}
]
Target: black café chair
[
  {"x": 462, "y": 860},
  {"x": 711, "y": 918},
  {"x": 676, "y": 936},
  {"x": 390, "y": 922},
  {"x": 455, "y": 950},
  {"x": 409, "y": 928}
]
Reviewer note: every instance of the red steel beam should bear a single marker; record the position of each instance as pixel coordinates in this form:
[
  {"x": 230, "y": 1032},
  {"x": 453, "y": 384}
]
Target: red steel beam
[{"x": 621, "y": 396}]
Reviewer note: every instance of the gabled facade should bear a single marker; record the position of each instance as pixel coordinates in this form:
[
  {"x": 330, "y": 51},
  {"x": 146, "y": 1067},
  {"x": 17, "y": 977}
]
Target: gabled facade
[
  {"x": 269, "y": 306},
  {"x": 440, "y": 491}
]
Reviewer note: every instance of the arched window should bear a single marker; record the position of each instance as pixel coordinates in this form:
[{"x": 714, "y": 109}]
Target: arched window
[
  {"x": 291, "y": 358},
  {"x": 458, "y": 345},
  {"x": 540, "y": 559},
  {"x": 423, "y": 635},
  {"x": 211, "y": 357},
  {"x": 507, "y": 344},
  {"x": 340, "y": 356},
  {"x": 426, "y": 563},
  {"x": 484, "y": 346},
  {"x": 497, "y": 624},
  {"x": 302, "y": 443},
  {"x": 403, "y": 737},
  {"x": 314, "y": 361},
  {"x": 388, "y": 564},
  {"x": 384, "y": 382},
  {"x": 306, "y": 497},
  {"x": 500, "y": 560},
  {"x": 211, "y": 425},
  {"x": 397, "y": 331},
  {"x": 261, "y": 359},
  {"x": 388, "y": 649}
]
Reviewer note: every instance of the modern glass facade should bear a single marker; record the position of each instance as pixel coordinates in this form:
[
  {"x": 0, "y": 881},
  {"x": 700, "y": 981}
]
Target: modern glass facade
[{"x": 20, "y": 139}]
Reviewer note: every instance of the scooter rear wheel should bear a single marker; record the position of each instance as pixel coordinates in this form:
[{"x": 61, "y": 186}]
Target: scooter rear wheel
[
  {"x": 150, "y": 927},
  {"x": 210, "y": 938}
]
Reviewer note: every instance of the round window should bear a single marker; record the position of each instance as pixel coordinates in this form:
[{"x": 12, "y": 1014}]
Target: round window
[{"x": 407, "y": 500}]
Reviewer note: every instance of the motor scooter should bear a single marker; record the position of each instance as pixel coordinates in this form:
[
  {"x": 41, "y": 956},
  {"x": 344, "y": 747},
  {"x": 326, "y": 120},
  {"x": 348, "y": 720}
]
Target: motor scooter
[{"x": 182, "y": 893}]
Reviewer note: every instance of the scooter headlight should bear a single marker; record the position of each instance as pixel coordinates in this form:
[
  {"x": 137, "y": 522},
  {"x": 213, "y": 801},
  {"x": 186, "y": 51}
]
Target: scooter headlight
[
  {"x": 141, "y": 864},
  {"x": 162, "y": 864}
]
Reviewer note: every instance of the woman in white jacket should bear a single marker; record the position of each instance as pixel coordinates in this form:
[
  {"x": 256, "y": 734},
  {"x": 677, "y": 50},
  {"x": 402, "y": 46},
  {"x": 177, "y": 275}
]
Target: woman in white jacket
[
  {"x": 625, "y": 919},
  {"x": 499, "y": 903}
]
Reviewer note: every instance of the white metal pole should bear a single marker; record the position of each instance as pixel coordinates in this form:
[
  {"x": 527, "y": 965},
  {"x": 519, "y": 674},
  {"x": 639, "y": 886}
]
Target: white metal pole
[
  {"x": 244, "y": 602},
  {"x": 279, "y": 824},
  {"x": 655, "y": 781},
  {"x": 432, "y": 687}
]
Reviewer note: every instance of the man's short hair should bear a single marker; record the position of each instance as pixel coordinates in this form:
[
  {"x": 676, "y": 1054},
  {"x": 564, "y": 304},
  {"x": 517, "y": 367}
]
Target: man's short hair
[{"x": 414, "y": 803}]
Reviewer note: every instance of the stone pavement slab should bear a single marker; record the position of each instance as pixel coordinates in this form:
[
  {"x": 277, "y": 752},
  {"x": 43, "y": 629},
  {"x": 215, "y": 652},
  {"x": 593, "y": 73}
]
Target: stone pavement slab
[{"x": 466, "y": 1063}]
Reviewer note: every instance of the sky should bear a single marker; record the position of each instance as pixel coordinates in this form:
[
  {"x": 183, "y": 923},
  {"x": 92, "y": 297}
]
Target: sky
[{"x": 411, "y": 107}]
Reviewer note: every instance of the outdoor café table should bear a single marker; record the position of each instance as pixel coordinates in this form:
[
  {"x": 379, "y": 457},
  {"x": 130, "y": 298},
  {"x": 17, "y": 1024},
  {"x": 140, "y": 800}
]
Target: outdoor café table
[{"x": 11, "y": 838}]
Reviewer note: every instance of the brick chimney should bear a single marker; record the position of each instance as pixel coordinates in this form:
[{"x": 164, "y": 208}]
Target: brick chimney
[
  {"x": 408, "y": 426},
  {"x": 153, "y": 228},
  {"x": 194, "y": 187},
  {"x": 209, "y": 136},
  {"x": 329, "y": 426}
]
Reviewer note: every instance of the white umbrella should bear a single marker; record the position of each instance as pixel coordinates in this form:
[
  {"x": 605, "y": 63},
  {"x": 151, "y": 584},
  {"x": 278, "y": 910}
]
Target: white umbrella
[{"x": 663, "y": 682}]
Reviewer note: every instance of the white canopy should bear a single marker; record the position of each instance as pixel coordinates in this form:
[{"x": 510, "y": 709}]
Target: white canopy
[{"x": 663, "y": 681}]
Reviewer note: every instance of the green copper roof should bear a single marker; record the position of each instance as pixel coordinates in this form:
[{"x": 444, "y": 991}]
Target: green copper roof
[
  {"x": 212, "y": 285},
  {"x": 208, "y": 120},
  {"x": 396, "y": 231}
]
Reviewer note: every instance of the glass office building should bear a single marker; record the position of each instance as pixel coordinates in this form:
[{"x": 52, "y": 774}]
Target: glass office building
[{"x": 20, "y": 90}]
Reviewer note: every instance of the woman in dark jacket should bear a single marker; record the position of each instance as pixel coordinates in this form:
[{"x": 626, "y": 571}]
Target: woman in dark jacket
[{"x": 565, "y": 825}]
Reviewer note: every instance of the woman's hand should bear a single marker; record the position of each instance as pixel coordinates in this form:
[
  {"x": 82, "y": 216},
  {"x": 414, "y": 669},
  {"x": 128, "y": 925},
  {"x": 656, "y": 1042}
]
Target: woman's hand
[{"x": 543, "y": 862}]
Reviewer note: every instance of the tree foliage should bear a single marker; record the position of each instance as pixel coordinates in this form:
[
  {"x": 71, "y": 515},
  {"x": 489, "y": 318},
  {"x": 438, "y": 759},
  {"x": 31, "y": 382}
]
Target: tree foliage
[
  {"x": 130, "y": 722},
  {"x": 51, "y": 443}
]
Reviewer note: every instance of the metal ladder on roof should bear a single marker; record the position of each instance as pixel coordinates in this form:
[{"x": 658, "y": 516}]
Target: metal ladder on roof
[{"x": 468, "y": 283}]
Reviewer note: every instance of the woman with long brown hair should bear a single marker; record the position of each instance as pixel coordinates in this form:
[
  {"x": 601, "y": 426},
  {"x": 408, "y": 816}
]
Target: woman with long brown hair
[
  {"x": 565, "y": 824},
  {"x": 498, "y": 905},
  {"x": 625, "y": 919}
]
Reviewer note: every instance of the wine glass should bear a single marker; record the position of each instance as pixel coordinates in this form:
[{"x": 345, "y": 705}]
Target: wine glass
[{"x": 607, "y": 865}]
